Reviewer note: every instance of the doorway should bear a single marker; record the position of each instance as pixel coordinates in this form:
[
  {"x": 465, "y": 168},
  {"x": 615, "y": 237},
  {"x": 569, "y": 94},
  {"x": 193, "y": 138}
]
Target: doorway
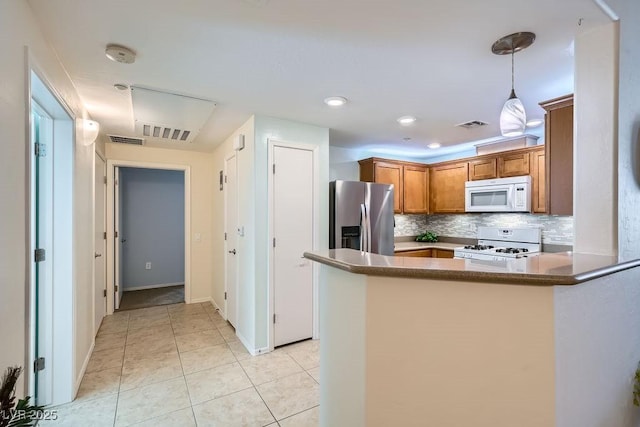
[
  {"x": 100, "y": 242},
  {"x": 139, "y": 260},
  {"x": 50, "y": 255},
  {"x": 293, "y": 222},
  {"x": 150, "y": 224},
  {"x": 231, "y": 238}
]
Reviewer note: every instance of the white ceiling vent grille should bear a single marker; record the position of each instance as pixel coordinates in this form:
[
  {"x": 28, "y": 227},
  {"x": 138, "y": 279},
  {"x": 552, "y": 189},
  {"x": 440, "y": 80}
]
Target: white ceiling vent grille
[
  {"x": 472, "y": 124},
  {"x": 158, "y": 131},
  {"x": 164, "y": 116},
  {"x": 126, "y": 140}
]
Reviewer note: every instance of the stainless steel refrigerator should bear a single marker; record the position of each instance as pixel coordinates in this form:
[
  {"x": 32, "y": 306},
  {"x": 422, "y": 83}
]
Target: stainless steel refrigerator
[{"x": 361, "y": 216}]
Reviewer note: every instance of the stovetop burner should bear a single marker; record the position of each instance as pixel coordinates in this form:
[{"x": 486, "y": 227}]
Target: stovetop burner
[
  {"x": 512, "y": 250},
  {"x": 479, "y": 247}
]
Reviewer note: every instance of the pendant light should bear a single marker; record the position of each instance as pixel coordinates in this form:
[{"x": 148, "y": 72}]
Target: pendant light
[{"x": 513, "y": 118}]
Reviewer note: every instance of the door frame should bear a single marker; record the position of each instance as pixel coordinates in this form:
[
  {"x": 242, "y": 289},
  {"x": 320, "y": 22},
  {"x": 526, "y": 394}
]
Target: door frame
[
  {"x": 111, "y": 164},
  {"x": 104, "y": 251},
  {"x": 226, "y": 221},
  {"x": 64, "y": 361},
  {"x": 271, "y": 144}
]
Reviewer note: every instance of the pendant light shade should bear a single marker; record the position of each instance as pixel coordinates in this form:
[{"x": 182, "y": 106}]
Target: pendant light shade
[{"x": 513, "y": 118}]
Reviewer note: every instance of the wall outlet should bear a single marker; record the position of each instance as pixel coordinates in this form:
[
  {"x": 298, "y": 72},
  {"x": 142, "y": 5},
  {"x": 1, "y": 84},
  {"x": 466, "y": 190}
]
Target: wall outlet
[{"x": 147, "y": 266}]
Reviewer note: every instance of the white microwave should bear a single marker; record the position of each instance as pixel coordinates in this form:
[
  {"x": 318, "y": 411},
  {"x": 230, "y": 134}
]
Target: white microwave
[{"x": 498, "y": 195}]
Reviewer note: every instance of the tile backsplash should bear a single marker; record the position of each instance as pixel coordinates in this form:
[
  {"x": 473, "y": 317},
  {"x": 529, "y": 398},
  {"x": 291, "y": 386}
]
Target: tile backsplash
[{"x": 555, "y": 229}]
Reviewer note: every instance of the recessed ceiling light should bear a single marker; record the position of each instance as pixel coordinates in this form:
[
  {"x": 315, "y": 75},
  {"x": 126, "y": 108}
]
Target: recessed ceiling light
[
  {"x": 121, "y": 86},
  {"x": 335, "y": 101},
  {"x": 534, "y": 123},
  {"x": 434, "y": 145},
  {"x": 120, "y": 54},
  {"x": 407, "y": 120}
]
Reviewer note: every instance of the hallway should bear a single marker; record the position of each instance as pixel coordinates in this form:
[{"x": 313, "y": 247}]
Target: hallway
[{"x": 182, "y": 365}]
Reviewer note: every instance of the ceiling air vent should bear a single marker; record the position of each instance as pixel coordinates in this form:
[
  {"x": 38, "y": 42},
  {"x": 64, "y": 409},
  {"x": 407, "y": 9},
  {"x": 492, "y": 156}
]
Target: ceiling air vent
[
  {"x": 159, "y": 131},
  {"x": 472, "y": 124},
  {"x": 168, "y": 117},
  {"x": 126, "y": 140}
]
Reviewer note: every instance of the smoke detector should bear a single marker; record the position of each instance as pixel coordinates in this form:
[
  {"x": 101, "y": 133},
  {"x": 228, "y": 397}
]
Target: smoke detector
[{"x": 120, "y": 54}]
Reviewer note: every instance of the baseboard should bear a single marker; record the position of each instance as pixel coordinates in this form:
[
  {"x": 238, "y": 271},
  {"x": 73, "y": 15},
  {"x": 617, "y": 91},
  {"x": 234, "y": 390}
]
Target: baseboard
[
  {"x": 252, "y": 351},
  {"x": 84, "y": 368},
  {"x": 200, "y": 300},
  {"x": 161, "y": 285}
]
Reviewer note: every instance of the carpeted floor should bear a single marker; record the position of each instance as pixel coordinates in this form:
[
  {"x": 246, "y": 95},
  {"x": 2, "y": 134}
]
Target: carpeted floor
[{"x": 152, "y": 297}]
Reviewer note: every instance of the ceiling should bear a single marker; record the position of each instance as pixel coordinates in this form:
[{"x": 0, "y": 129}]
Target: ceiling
[{"x": 282, "y": 58}]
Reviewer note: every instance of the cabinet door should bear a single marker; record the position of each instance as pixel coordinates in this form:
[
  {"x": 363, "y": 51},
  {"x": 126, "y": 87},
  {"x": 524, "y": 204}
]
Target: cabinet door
[
  {"x": 560, "y": 162},
  {"x": 441, "y": 253},
  {"x": 538, "y": 182},
  {"x": 446, "y": 187},
  {"x": 416, "y": 253},
  {"x": 516, "y": 164},
  {"x": 416, "y": 189},
  {"x": 389, "y": 173},
  {"x": 482, "y": 169}
]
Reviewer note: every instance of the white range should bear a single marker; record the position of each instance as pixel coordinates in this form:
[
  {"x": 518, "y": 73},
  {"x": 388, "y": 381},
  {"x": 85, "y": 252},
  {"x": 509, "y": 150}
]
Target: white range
[{"x": 502, "y": 243}]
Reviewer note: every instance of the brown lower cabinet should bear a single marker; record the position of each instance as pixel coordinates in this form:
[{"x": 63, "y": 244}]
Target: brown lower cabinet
[{"x": 428, "y": 253}]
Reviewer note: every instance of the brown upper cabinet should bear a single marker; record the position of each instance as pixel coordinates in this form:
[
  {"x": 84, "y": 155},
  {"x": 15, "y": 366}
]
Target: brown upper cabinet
[
  {"x": 559, "y": 154},
  {"x": 483, "y": 169},
  {"x": 446, "y": 187},
  {"x": 538, "y": 181},
  {"x": 410, "y": 181},
  {"x": 513, "y": 164}
]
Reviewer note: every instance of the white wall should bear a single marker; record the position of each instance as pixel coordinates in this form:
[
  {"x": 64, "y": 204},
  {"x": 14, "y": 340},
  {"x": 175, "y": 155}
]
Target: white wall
[
  {"x": 253, "y": 248},
  {"x": 629, "y": 130},
  {"x": 202, "y": 185},
  {"x": 343, "y": 164},
  {"x": 595, "y": 141},
  {"x": 287, "y": 131},
  {"x": 597, "y": 347},
  {"x": 18, "y": 28},
  {"x": 152, "y": 222}
]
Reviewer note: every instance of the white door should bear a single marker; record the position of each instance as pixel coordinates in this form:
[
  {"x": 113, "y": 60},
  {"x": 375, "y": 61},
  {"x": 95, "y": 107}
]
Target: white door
[
  {"x": 118, "y": 239},
  {"x": 231, "y": 238},
  {"x": 100, "y": 228},
  {"x": 293, "y": 205}
]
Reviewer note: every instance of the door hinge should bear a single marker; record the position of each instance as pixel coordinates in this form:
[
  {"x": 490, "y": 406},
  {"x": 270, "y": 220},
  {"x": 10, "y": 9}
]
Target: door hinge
[
  {"x": 116, "y": 288},
  {"x": 274, "y": 318},
  {"x": 274, "y": 242},
  {"x": 274, "y": 168},
  {"x": 104, "y": 293},
  {"x": 40, "y": 150},
  {"x": 38, "y": 364},
  {"x": 105, "y": 179},
  {"x": 39, "y": 255},
  {"x": 225, "y": 295},
  {"x": 115, "y": 234},
  {"x": 225, "y": 179},
  {"x": 225, "y": 236},
  {"x": 104, "y": 235}
]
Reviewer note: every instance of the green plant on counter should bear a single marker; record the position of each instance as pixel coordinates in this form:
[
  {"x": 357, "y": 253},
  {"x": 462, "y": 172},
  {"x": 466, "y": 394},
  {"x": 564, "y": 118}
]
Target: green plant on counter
[{"x": 427, "y": 237}]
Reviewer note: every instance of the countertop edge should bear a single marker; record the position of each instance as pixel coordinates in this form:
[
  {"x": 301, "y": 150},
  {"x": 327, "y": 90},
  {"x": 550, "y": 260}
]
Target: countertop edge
[{"x": 475, "y": 276}]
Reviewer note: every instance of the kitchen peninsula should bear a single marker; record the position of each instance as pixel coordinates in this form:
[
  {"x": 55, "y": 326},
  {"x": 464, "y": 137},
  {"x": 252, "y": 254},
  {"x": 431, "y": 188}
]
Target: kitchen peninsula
[{"x": 457, "y": 342}]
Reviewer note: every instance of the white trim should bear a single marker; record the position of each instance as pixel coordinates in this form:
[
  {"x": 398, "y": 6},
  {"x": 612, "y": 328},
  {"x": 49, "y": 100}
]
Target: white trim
[
  {"x": 110, "y": 222},
  {"x": 93, "y": 210},
  {"x": 84, "y": 368},
  {"x": 607, "y": 10},
  {"x": 215, "y": 305},
  {"x": 159, "y": 285},
  {"x": 315, "y": 149},
  {"x": 252, "y": 351},
  {"x": 62, "y": 365},
  {"x": 201, "y": 300}
]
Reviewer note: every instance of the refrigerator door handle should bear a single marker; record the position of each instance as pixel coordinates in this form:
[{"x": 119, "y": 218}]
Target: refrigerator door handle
[
  {"x": 364, "y": 244},
  {"x": 369, "y": 243}
]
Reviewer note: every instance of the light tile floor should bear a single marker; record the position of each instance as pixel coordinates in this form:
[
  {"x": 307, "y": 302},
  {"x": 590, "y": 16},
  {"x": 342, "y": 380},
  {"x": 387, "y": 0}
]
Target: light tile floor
[{"x": 182, "y": 365}]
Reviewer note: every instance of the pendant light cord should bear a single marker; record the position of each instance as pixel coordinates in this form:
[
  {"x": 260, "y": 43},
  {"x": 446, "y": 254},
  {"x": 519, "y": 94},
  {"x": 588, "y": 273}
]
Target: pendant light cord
[{"x": 513, "y": 90}]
